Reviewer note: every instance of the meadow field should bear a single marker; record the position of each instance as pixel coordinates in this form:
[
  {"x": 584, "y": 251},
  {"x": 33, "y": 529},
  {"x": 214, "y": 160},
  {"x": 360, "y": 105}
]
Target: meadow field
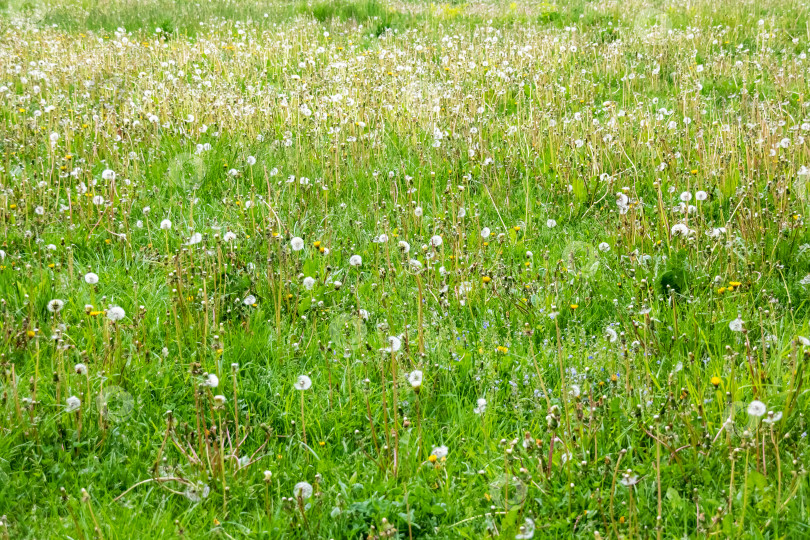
[{"x": 368, "y": 269}]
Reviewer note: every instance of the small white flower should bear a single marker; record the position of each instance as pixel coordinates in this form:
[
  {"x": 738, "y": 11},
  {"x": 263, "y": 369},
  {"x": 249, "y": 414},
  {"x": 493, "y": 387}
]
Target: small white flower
[
  {"x": 40, "y": 211},
  {"x": 736, "y": 325},
  {"x": 249, "y": 300},
  {"x": 108, "y": 174},
  {"x": 98, "y": 200},
  {"x": 297, "y": 244},
  {"x": 604, "y": 247},
  {"x": 55, "y": 305},
  {"x": 611, "y": 335},
  {"x": 229, "y": 236},
  {"x": 526, "y": 530},
  {"x": 73, "y": 404},
  {"x": 679, "y": 229},
  {"x": 686, "y": 196},
  {"x": 166, "y": 225},
  {"x": 551, "y": 223},
  {"x": 211, "y": 381},
  {"x": 394, "y": 343},
  {"x": 91, "y": 278},
  {"x": 417, "y": 211},
  {"x": 701, "y": 195},
  {"x": 404, "y": 246},
  {"x": 196, "y": 238},
  {"x": 415, "y": 378},
  {"x": 436, "y": 240},
  {"x": 356, "y": 260},
  {"x": 80, "y": 369},
  {"x": 485, "y": 232},
  {"x": 116, "y": 313},
  {"x": 757, "y": 408},
  {"x": 195, "y": 493},
  {"x": 251, "y": 160},
  {"x": 630, "y": 480},
  {"x": 464, "y": 288},
  {"x": 220, "y": 400},
  {"x": 773, "y": 417},
  {"x": 481, "y": 406},
  {"x": 440, "y": 452},
  {"x": 302, "y": 490},
  {"x": 309, "y": 283},
  {"x": 303, "y": 383}
]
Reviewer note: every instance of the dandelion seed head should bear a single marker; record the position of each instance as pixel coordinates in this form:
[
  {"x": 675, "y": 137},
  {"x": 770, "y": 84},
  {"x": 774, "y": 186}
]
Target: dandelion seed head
[
  {"x": 303, "y": 383},
  {"x": 116, "y": 313}
]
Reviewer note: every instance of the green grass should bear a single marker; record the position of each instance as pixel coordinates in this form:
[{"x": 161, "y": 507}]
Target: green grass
[{"x": 617, "y": 357}]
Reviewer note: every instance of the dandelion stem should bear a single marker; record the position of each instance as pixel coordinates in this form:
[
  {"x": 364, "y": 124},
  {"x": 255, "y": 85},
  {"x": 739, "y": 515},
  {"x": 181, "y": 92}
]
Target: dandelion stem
[{"x": 303, "y": 420}]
